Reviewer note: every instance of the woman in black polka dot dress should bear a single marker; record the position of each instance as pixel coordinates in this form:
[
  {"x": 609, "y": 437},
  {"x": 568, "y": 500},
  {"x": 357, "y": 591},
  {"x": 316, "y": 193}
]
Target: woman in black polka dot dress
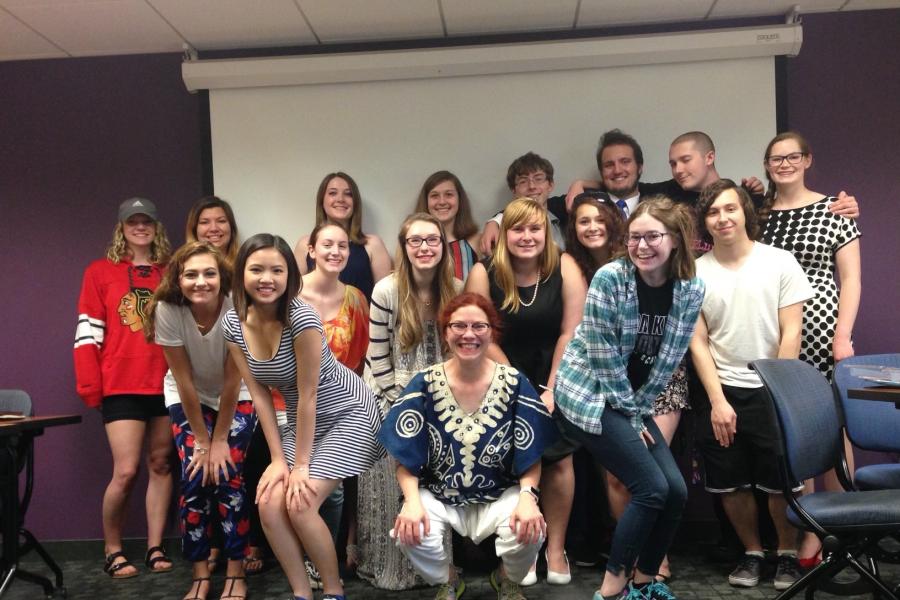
[{"x": 797, "y": 219}]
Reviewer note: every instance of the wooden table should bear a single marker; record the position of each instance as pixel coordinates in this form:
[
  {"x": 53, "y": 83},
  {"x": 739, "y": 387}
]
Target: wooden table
[
  {"x": 881, "y": 393},
  {"x": 16, "y": 438}
]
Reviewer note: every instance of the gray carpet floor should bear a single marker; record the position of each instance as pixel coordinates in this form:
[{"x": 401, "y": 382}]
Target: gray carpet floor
[{"x": 697, "y": 578}]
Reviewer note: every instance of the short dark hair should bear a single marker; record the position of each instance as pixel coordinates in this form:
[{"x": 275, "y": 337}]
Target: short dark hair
[
  {"x": 617, "y": 137},
  {"x": 239, "y": 295},
  {"x": 525, "y": 165},
  {"x": 713, "y": 191}
]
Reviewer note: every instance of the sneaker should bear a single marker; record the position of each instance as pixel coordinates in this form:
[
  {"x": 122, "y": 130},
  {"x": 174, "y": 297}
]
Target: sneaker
[
  {"x": 629, "y": 592},
  {"x": 447, "y": 591},
  {"x": 787, "y": 572},
  {"x": 746, "y": 574},
  {"x": 657, "y": 590},
  {"x": 506, "y": 588},
  {"x": 315, "y": 581}
]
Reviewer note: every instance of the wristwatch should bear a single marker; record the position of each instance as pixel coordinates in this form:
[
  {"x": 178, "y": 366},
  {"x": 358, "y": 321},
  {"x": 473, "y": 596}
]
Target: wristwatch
[{"x": 530, "y": 489}]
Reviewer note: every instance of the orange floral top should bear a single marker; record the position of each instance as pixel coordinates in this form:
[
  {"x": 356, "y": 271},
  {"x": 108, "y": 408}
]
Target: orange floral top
[{"x": 347, "y": 333}]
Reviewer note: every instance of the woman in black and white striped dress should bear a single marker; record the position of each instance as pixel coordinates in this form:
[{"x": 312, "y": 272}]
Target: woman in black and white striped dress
[{"x": 276, "y": 341}]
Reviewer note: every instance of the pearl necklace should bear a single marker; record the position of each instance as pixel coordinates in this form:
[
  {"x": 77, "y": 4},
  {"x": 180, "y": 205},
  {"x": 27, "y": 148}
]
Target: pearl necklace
[{"x": 537, "y": 284}]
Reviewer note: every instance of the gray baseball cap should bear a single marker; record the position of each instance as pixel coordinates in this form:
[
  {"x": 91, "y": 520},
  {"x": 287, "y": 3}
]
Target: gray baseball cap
[{"x": 137, "y": 206}]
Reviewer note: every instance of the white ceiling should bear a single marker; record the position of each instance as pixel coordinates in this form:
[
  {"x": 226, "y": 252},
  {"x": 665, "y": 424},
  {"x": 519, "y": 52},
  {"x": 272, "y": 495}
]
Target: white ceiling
[{"x": 33, "y": 29}]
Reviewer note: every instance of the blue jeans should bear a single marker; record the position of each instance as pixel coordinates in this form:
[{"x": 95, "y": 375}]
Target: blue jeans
[
  {"x": 331, "y": 510},
  {"x": 658, "y": 491}
]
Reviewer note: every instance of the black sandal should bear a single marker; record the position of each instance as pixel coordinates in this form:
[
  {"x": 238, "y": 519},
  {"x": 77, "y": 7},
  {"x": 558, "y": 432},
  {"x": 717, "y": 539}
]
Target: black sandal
[
  {"x": 230, "y": 588},
  {"x": 163, "y": 557},
  {"x": 199, "y": 581},
  {"x": 112, "y": 568}
]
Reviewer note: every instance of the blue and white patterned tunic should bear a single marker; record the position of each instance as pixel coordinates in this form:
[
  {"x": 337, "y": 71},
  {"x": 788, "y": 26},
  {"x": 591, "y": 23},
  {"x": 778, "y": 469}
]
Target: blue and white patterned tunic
[{"x": 467, "y": 458}]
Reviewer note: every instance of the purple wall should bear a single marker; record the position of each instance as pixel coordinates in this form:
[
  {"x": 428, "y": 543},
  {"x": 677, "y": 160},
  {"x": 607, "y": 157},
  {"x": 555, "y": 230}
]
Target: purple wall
[
  {"x": 80, "y": 135},
  {"x": 843, "y": 94}
]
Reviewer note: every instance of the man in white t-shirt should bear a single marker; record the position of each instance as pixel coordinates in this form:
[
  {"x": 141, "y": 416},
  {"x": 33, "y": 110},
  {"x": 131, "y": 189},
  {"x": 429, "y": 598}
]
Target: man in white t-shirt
[{"x": 753, "y": 309}]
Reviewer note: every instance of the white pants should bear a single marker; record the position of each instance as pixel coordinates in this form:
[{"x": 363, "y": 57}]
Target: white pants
[{"x": 475, "y": 521}]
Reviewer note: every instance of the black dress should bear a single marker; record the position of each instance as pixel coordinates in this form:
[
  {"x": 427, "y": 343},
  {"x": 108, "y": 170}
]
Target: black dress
[{"x": 529, "y": 335}]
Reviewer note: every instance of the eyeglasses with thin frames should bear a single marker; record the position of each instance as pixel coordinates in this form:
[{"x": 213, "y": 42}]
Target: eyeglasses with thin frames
[
  {"x": 478, "y": 327},
  {"x": 416, "y": 241},
  {"x": 536, "y": 179},
  {"x": 793, "y": 158},
  {"x": 651, "y": 238}
]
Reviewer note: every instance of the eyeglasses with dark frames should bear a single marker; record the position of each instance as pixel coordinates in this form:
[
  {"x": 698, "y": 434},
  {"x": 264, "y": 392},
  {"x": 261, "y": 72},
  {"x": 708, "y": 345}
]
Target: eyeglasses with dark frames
[
  {"x": 651, "y": 238},
  {"x": 777, "y": 160},
  {"x": 416, "y": 241}
]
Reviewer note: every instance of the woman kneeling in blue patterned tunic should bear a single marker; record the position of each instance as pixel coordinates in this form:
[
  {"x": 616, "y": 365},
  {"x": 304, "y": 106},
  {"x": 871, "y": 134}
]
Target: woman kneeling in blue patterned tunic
[{"x": 468, "y": 436}]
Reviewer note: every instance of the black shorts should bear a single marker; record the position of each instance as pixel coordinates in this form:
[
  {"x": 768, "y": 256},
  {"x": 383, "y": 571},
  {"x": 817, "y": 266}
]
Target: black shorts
[
  {"x": 752, "y": 459},
  {"x": 133, "y": 407},
  {"x": 563, "y": 446}
]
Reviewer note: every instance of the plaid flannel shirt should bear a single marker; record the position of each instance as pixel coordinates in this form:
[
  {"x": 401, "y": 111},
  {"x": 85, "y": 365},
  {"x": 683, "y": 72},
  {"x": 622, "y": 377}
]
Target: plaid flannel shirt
[{"x": 594, "y": 368}]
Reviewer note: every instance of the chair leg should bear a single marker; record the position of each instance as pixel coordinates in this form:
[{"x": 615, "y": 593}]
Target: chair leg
[
  {"x": 38, "y": 580},
  {"x": 33, "y": 544},
  {"x": 873, "y": 579}
]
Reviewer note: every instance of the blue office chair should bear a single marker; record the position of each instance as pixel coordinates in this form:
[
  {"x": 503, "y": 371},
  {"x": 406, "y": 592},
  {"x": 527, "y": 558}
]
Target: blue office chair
[
  {"x": 850, "y": 524},
  {"x": 19, "y": 457},
  {"x": 870, "y": 425}
]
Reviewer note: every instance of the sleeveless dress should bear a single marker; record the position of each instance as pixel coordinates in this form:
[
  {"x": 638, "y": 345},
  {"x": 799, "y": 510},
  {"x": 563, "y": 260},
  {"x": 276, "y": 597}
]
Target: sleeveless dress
[
  {"x": 529, "y": 335},
  {"x": 464, "y": 256},
  {"x": 347, "y": 334},
  {"x": 358, "y": 271},
  {"x": 347, "y": 419},
  {"x": 813, "y": 234}
]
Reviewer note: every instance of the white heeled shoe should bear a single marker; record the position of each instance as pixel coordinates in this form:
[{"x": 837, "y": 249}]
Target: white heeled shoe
[
  {"x": 531, "y": 577},
  {"x": 555, "y": 578}
]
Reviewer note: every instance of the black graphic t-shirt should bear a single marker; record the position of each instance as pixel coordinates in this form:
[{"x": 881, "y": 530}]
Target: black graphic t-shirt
[{"x": 654, "y": 304}]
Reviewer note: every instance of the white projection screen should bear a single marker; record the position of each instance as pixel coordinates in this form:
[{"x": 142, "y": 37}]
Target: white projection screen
[{"x": 271, "y": 146}]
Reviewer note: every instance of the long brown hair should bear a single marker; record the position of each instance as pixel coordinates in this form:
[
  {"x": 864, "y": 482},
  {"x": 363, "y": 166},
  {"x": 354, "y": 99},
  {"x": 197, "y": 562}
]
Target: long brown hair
[
  {"x": 463, "y": 224},
  {"x": 355, "y": 227},
  {"x": 521, "y": 210},
  {"x": 408, "y": 326},
  {"x": 615, "y": 230},
  {"x": 169, "y": 288},
  {"x": 678, "y": 219}
]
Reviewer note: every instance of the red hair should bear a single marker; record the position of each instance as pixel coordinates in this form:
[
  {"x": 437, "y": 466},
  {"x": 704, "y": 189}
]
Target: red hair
[{"x": 472, "y": 299}]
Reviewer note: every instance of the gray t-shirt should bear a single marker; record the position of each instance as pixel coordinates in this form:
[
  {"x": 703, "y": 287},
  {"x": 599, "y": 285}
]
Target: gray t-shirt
[{"x": 175, "y": 327}]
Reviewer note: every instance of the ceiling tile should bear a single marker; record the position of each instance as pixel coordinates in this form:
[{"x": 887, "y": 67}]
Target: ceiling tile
[
  {"x": 366, "y": 20},
  {"x": 217, "y": 24},
  {"x": 96, "y": 27},
  {"x": 504, "y": 16},
  {"x": 728, "y": 9},
  {"x": 18, "y": 42},
  {"x": 602, "y": 13},
  {"x": 871, "y": 4}
]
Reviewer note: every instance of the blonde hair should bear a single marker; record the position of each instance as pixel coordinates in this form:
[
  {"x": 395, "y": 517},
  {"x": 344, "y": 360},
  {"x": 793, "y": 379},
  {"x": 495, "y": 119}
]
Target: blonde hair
[
  {"x": 408, "y": 325},
  {"x": 160, "y": 249},
  {"x": 522, "y": 210}
]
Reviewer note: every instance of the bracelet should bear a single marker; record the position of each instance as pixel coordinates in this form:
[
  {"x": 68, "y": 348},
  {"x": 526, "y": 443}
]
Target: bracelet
[
  {"x": 201, "y": 450},
  {"x": 301, "y": 468}
]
